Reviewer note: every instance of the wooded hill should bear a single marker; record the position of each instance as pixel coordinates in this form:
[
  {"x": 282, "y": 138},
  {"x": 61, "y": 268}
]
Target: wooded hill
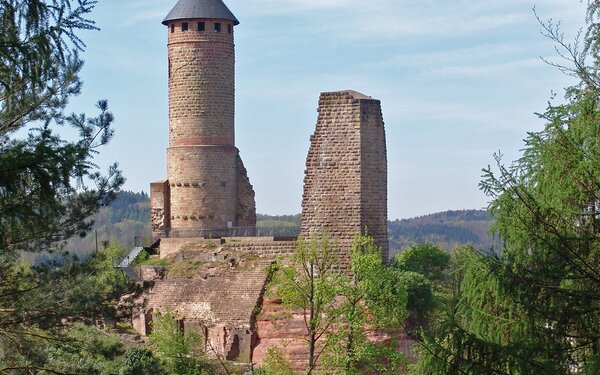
[
  {"x": 446, "y": 229},
  {"x": 127, "y": 220}
]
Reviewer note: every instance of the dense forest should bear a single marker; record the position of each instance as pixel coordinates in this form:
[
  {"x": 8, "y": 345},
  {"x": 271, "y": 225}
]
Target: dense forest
[{"x": 446, "y": 229}]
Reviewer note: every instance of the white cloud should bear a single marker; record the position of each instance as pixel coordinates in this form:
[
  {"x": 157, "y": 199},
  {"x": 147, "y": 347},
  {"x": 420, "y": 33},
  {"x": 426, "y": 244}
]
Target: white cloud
[
  {"x": 470, "y": 71},
  {"x": 449, "y": 56},
  {"x": 387, "y": 19}
]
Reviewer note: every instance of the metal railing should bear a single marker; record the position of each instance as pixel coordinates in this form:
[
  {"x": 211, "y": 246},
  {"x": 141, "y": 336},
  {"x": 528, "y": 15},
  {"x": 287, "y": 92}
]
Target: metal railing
[{"x": 236, "y": 232}]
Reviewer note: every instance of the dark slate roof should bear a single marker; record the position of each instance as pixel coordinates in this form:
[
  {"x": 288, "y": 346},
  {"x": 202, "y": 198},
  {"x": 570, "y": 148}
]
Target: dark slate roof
[{"x": 191, "y": 9}]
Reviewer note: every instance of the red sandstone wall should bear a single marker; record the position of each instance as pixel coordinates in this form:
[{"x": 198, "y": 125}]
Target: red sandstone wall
[
  {"x": 160, "y": 209},
  {"x": 279, "y": 326}
]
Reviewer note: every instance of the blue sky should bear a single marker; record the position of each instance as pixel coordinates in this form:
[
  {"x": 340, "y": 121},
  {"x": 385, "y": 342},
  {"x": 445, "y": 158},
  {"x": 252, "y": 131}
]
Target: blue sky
[{"x": 458, "y": 80}]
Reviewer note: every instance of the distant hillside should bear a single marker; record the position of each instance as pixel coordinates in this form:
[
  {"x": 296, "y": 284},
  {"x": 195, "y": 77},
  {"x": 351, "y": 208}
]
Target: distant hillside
[
  {"x": 127, "y": 220},
  {"x": 283, "y": 225},
  {"x": 446, "y": 229}
]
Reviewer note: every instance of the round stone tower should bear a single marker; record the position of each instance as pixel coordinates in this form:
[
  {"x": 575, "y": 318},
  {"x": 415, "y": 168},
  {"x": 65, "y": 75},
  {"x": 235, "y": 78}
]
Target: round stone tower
[{"x": 203, "y": 165}]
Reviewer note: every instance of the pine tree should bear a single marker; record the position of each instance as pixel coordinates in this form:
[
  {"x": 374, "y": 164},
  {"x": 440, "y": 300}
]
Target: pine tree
[
  {"x": 536, "y": 308},
  {"x": 49, "y": 186}
]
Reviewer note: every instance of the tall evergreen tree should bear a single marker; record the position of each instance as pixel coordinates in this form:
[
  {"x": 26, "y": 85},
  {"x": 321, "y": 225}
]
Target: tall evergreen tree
[
  {"x": 536, "y": 308},
  {"x": 49, "y": 186}
]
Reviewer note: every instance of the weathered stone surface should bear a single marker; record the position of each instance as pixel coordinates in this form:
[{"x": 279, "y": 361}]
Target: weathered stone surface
[
  {"x": 264, "y": 247},
  {"x": 278, "y": 326},
  {"x": 246, "y": 199},
  {"x": 160, "y": 209},
  {"x": 222, "y": 305},
  {"x": 345, "y": 182},
  {"x": 208, "y": 187}
]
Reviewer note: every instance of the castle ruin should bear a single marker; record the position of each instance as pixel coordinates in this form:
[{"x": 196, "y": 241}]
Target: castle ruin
[
  {"x": 207, "y": 191},
  {"x": 207, "y": 197},
  {"x": 345, "y": 183}
]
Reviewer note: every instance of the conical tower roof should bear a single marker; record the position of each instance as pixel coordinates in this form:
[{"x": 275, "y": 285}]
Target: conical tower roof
[{"x": 191, "y": 9}]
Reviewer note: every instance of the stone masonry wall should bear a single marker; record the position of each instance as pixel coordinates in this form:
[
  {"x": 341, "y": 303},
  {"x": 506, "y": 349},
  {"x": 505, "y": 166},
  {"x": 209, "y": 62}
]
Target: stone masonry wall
[
  {"x": 345, "y": 183},
  {"x": 201, "y": 85},
  {"x": 222, "y": 307},
  {"x": 160, "y": 209},
  {"x": 204, "y": 189},
  {"x": 209, "y": 188},
  {"x": 246, "y": 216},
  {"x": 374, "y": 174}
]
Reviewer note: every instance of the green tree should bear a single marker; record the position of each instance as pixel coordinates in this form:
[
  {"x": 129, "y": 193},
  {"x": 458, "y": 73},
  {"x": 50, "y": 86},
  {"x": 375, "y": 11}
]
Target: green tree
[
  {"x": 40, "y": 304},
  {"x": 423, "y": 270},
  {"x": 275, "y": 363},
  {"x": 181, "y": 353},
  {"x": 425, "y": 259},
  {"x": 535, "y": 309},
  {"x": 310, "y": 285},
  {"x": 85, "y": 350},
  {"x": 372, "y": 300},
  {"x": 49, "y": 187},
  {"x": 140, "y": 361}
]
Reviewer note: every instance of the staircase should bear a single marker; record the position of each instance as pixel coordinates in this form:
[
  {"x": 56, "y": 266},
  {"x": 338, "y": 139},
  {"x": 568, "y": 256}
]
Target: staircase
[{"x": 124, "y": 265}]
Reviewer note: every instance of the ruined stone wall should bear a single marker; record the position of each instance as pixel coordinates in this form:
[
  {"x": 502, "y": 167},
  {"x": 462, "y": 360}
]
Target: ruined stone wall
[
  {"x": 246, "y": 214},
  {"x": 222, "y": 307},
  {"x": 267, "y": 249},
  {"x": 160, "y": 209},
  {"x": 374, "y": 174},
  {"x": 345, "y": 183}
]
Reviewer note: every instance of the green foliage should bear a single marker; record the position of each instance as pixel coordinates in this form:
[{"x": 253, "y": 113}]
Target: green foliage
[
  {"x": 446, "y": 229},
  {"x": 81, "y": 350},
  {"x": 425, "y": 259},
  {"x": 140, "y": 361},
  {"x": 534, "y": 310},
  {"x": 275, "y": 363},
  {"x": 310, "y": 285},
  {"x": 372, "y": 300},
  {"x": 421, "y": 299},
  {"x": 423, "y": 270},
  {"x": 125, "y": 220},
  {"x": 38, "y": 300},
  {"x": 179, "y": 353},
  {"x": 142, "y": 258},
  {"x": 90, "y": 351}
]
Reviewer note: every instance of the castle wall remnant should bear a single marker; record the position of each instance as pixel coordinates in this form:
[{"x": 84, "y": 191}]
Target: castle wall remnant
[
  {"x": 215, "y": 286},
  {"x": 207, "y": 190},
  {"x": 219, "y": 307},
  {"x": 345, "y": 182}
]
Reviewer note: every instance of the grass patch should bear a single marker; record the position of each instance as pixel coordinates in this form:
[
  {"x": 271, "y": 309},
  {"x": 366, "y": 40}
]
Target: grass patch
[{"x": 186, "y": 268}]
